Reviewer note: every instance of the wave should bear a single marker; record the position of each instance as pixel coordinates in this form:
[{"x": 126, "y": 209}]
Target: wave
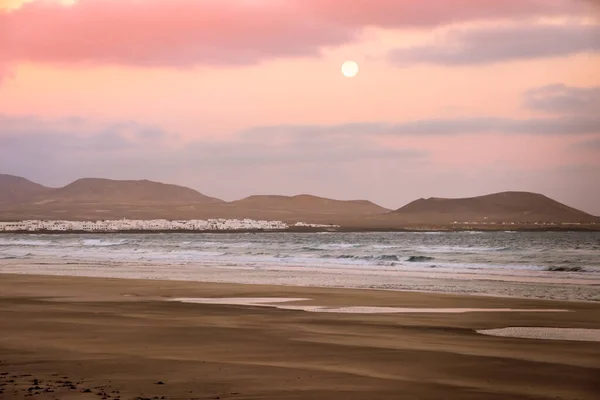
[
  {"x": 331, "y": 246},
  {"x": 460, "y": 249},
  {"x": 566, "y": 269},
  {"x": 103, "y": 242},
  {"x": 220, "y": 245},
  {"x": 383, "y": 257},
  {"x": 369, "y": 252},
  {"x": 419, "y": 258},
  {"x": 308, "y": 248},
  {"x": 25, "y": 242}
]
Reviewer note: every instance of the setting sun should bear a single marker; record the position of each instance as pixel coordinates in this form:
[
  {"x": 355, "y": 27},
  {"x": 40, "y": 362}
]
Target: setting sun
[{"x": 350, "y": 69}]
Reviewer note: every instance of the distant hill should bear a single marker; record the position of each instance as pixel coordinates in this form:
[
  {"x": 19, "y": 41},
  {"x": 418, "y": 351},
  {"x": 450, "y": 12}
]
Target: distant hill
[
  {"x": 505, "y": 206},
  {"x": 96, "y": 199},
  {"x": 15, "y": 190},
  {"x": 92, "y": 198},
  {"x": 307, "y": 204},
  {"x": 106, "y": 191}
]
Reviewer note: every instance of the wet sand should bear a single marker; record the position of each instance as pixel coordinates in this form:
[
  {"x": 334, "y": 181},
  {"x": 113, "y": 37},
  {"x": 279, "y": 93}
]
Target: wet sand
[{"x": 93, "y": 338}]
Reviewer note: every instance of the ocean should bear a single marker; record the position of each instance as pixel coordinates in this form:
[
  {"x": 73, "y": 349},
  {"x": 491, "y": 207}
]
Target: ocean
[{"x": 375, "y": 260}]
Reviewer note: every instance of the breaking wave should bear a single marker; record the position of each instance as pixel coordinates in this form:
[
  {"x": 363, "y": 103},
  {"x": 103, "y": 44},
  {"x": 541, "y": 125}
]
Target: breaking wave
[
  {"x": 24, "y": 242},
  {"x": 563, "y": 268},
  {"x": 516, "y": 253},
  {"x": 103, "y": 242},
  {"x": 384, "y": 257},
  {"x": 419, "y": 258}
]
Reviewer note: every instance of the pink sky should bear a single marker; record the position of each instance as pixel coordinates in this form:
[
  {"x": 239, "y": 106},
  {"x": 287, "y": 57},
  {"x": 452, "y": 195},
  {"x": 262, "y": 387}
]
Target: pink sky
[{"x": 241, "y": 97}]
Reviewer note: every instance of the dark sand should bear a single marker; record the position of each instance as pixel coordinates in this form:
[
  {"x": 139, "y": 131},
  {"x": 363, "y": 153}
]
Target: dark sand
[{"x": 118, "y": 339}]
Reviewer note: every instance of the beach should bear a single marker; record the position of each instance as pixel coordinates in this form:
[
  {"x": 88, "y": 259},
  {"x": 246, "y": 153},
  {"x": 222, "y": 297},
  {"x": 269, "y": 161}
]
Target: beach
[{"x": 80, "y": 337}]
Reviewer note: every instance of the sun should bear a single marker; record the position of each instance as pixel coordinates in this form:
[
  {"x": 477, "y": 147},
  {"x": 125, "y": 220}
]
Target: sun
[{"x": 350, "y": 69}]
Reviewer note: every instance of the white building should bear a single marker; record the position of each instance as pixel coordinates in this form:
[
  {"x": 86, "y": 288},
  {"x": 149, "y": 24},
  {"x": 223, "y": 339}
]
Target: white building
[{"x": 141, "y": 225}]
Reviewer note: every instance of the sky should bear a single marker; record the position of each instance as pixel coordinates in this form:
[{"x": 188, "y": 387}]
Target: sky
[{"x": 240, "y": 97}]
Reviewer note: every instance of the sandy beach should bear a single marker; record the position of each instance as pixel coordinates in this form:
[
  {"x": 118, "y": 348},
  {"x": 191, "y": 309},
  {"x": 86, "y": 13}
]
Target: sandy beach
[{"x": 76, "y": 337}]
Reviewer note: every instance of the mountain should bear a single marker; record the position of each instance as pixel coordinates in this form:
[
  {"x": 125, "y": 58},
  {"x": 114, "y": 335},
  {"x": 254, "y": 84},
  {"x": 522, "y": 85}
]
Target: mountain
[
  {"x": 97, "y": 199},
  {"x": 106, "y": 191},
  {"x": 300, "y": 208},
  {"x": 505, "y": 206},
  {"x": 15, "y": 190},
  {"x": 92, "y": 198},
  {"x": 307, "y": 204}
]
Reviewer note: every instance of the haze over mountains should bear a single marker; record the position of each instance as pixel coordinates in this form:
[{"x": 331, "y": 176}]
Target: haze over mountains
[{"x": 92, "y": 199}]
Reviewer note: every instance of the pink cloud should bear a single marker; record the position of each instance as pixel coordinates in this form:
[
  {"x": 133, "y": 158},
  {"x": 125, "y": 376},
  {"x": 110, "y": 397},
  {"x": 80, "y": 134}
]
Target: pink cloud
[
  {"x": 188, "y": 32},
  {"x": 411, "y": 13},
  {"x": 154, "y": 32}
]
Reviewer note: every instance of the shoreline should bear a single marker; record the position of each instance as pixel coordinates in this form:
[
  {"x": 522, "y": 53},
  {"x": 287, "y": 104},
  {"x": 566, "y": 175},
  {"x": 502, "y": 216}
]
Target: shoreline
[
  {"x": 542, "y": 287},
  {"x": 277, "y": 288},
  {"x": 315, "y": 230},
  {"x": 123, "y": 338}
]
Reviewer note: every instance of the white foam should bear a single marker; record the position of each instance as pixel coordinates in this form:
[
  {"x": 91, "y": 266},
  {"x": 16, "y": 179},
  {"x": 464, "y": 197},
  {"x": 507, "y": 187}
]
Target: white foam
[
  {"x": 457, "y": 249},
  {"x": 575, "y": 334},
  {"x": 274, "y": 303},
  {"x": 24, "y": 242},
  {"x": 103, "y": 243}
]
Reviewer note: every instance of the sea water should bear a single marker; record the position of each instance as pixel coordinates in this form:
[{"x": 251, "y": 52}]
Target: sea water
[{"x": 554, "y": 256}]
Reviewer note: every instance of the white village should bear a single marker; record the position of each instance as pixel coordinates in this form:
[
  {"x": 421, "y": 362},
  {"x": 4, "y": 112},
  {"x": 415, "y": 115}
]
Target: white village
[{"x": 153, "y": 225}]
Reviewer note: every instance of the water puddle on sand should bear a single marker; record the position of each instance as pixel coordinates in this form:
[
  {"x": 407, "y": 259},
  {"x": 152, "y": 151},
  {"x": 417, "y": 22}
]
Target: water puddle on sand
[
  {"x": 276, "y": 302},
  {"x": 575, "y": 334}
]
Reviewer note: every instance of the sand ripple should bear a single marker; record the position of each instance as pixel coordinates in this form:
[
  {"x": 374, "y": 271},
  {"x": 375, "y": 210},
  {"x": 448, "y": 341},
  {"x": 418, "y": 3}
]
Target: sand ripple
[{"x": 582, "y": 335}]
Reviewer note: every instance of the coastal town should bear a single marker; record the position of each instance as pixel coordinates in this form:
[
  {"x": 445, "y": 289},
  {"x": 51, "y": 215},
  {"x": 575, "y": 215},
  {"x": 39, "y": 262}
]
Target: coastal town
[
  {"x": 247, "y": 225},
  {"x": 153, "y": 225}
]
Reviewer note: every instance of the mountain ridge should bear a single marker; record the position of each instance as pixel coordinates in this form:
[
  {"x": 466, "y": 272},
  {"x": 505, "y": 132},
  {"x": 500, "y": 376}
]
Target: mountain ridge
[
  {"x": 495, "y": 207},
  {"x": 15, "y": 189},
  {"x": 302, "y": 202},
  {"x": 130, "y": 190},
  {"x": 99, "y": 198}
]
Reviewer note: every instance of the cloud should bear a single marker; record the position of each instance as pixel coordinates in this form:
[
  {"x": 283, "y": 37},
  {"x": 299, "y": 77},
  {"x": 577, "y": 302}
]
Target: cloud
[
  {"x": 428, "y": 13},
  {"x": 568, "y": 125},
  {"x": 501, "y": 44},
  {"x": 574, "y": 109},
  {"x": 217, "y": 32},
  {"x": 165, "y": 33},
  {"x": 69, "y": 134},
  {"x": 592, "y": 145},
  {"x": 76, "y": 146},
  {"x": 562, "y": 99}
]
